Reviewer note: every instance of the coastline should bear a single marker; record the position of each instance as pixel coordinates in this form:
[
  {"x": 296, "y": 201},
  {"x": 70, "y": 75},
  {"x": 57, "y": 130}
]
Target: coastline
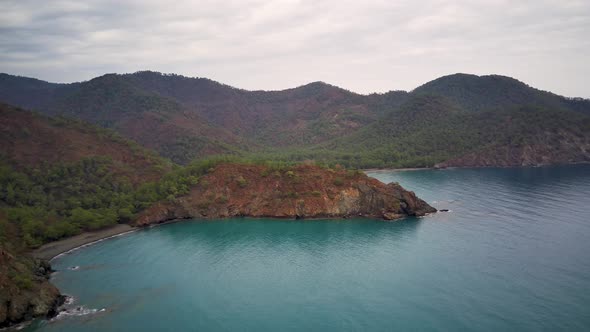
[
  {"x": 376, "y": 170},
  {"x": 51, "y": 250},
  {"x": 397, "y": 169}
]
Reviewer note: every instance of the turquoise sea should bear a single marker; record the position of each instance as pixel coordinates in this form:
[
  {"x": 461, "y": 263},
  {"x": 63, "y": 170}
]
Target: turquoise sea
[{"x": 512, "y": 254}]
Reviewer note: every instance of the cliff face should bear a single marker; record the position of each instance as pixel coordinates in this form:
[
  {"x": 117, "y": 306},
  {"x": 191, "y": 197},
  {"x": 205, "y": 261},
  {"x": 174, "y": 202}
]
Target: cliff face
[
  {"x": 300, "y": 192},
  {"x": 25, "y": 291}
]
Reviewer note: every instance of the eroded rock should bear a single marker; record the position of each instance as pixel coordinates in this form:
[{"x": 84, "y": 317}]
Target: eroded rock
[
  {"x": 304, "y": 191},
  {"x": 25, "y": 291}
]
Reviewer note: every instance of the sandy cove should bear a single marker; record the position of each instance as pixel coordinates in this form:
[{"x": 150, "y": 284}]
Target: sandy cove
[{"x": 51, "y": 250}]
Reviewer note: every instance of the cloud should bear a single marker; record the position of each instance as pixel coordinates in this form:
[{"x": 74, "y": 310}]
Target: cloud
[{"x": 368, "y": 46}]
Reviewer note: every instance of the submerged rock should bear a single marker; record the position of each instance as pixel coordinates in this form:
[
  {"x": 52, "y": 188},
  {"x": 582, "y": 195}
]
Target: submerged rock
[{"x": 303, "y": 191}]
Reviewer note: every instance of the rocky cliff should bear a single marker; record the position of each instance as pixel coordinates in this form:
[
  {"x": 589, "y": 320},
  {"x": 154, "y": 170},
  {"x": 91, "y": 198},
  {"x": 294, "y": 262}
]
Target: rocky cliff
[
  {"x": 25, "y": 291},
  {"x": 303, "y": 191}
]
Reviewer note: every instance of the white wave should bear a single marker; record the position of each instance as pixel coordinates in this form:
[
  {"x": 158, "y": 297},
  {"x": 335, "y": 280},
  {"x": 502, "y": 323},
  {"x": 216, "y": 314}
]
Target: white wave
[
  {"x": 77, "y": 311},
  {"x": 69, "y": 300}
]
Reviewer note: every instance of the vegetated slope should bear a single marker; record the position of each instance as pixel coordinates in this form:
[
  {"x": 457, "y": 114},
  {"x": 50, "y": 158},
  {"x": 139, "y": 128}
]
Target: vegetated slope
[
  {"x": 185, "y": 108},
  {"x": 302, "y": 191},
  {"x": 29, "y": 93},
  {"x": 112, "y": 102},
  {"x": 153, "y": 121},
  {"x": 31, "y": 140},
  {"x": 495, "y": 92},
  {"x": 431, "y": 129},
  {"x": 304, "y": 115},
  {"x": 59, "y": 177},
  {"x": 25, "y": 291},
  {"x": 185, "y": 118},
  {"x": 529, "y": 137}
]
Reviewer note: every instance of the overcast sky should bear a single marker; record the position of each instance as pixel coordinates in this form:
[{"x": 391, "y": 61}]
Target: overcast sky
[{"x": 363, "y": 46}]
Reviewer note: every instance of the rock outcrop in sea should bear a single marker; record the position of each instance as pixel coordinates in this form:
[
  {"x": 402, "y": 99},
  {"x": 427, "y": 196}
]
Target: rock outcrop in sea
[{"x": 304, "y": 191}]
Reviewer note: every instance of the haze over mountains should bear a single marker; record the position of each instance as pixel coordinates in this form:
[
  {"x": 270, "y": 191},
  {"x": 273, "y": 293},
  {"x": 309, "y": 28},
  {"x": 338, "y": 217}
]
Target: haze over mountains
[{"x": 461, "y": 118}]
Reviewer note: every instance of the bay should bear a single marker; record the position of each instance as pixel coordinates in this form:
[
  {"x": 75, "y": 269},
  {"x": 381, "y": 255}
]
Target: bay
[{"x": 511, "y": 254}]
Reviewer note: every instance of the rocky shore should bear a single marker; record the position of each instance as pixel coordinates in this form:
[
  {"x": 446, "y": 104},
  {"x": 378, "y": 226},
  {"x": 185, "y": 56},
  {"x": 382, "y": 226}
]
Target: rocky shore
[
  {"x": 25, "y": 290},
  {"x": 228, "y": 190},
  {"x": 304, "y": 191}
]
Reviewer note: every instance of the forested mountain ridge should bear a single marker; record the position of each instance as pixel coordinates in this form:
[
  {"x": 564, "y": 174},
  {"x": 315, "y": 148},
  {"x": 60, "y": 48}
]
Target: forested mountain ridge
[
  {"x": 59, "y": 177},
  {"x": 496, "y": 92},
  {"x": 111, "y": 101},
  {"x": 31, "y": 140},
  {"x": 185, "y": 118},
  {"x": 429, "y": 130},
  {"x": 301, "y": 116}
]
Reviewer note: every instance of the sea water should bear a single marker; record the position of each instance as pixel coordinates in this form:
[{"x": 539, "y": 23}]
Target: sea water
[{"x": 512, "y": 254}]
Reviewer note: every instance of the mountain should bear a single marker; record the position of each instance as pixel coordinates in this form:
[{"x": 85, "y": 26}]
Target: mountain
[
  {"x": 495, "y": 92},
  {"x": 429, "y": 130},
  {"x": 304, "y": 115},
  {"x": 183, "y": 118},
  {"x": 110, "y": 101},
  {"x": 29, "y": 93},
  {"x": 449, "y": 118},
  {"x": 31, "y": 141},
  {"x": 59, "y": 177}
]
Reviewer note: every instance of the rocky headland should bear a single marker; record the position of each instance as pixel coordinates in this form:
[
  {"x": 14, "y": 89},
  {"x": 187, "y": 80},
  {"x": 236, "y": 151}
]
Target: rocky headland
[
  {"x": 25, "y": 290},
  {"x": 227, "y": 190},
  {"x": 304, "y": 191}
]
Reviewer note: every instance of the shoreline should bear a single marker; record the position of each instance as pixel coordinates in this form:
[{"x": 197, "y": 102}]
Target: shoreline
[
  {"x": 405, "y": 169},
  {"x": 51, "y": 250},
  {"x": 397, "y": 169}
]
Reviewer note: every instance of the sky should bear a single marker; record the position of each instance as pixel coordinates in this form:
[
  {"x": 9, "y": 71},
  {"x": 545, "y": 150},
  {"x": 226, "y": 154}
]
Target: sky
[{"x": 363, "y": 46}]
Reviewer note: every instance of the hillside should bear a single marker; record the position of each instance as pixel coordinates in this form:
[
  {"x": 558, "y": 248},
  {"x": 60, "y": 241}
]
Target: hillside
[
  {"x": 30, "y": 93},
  {"x": 304, "y": 115},
  {"x": 59, "y": 177},
  {"x": 30, "y": 140},
  {"x": 495, "y": 92},
  {"x": 26, "y": 292},
  {"x": 303, "y": 191},
  {"x": 428, "y": 130},
  {"x": 194, "y": 117},
  {"x": 110, "y": 101},
  {"x": 457, "y": 117}
]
